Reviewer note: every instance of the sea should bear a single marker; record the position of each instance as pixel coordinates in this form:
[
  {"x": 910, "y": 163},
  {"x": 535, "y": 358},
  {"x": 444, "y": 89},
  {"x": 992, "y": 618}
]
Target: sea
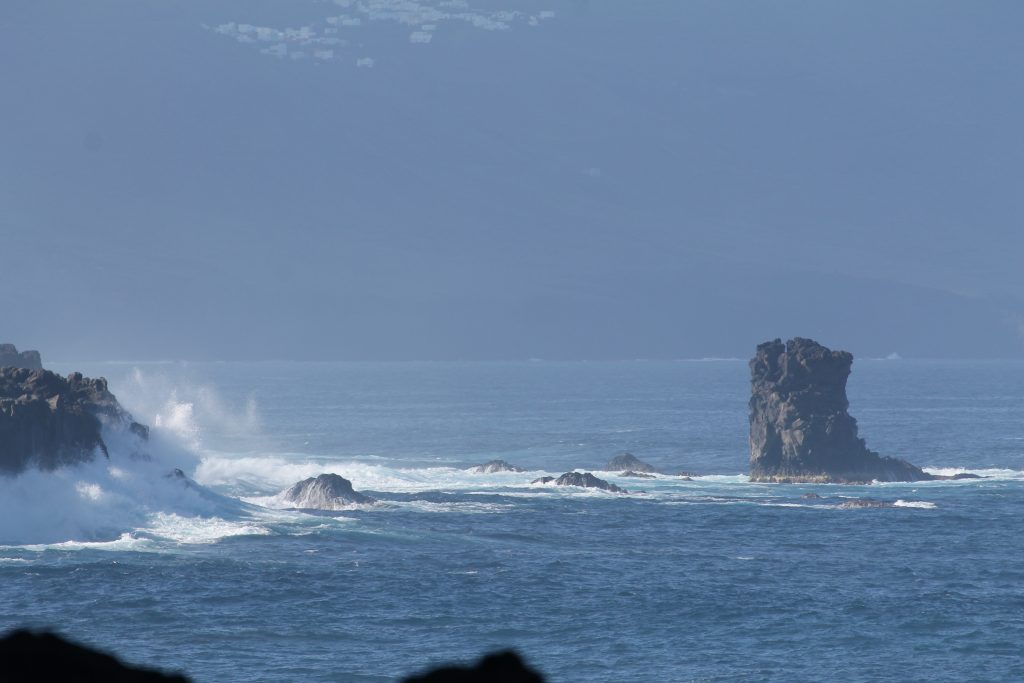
[{"x": 698, "y": 578}]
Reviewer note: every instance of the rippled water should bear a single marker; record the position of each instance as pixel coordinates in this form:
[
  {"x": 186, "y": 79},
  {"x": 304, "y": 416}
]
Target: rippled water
[{"x": 713, "y": 579}]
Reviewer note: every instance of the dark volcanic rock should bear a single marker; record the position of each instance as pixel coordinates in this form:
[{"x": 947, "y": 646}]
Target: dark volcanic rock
[
  {"x": 587, "y": 480},
  {"x": 10, "y": 358},
  {"x": 47, "y": 420},
  {"x": 799, "y": 428},
  {"x": 501, "y": 667},
  {"x": 27, "y": 657},
  {"x": 627, "y": 461},
  {"x": 326, "y": 492},
  {"x": 543, "y": 480},
  {"x": 495, "y": 466}
]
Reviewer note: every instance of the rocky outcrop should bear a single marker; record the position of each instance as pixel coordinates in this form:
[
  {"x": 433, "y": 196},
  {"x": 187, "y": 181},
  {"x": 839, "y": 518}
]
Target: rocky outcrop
[
  {"x": 11, "y": 358},
  {"x": 543, "y": 480},
  {"x": 800, "y": 430},
  {"x": 637, "y": 475},
  {"x": 47, "y": 420},
  {"x": 628, "y": 462},
  {"x": 495, "y": 466},
  {"x": 326, "y": 492},
  {"x": 584, "y": 480}
]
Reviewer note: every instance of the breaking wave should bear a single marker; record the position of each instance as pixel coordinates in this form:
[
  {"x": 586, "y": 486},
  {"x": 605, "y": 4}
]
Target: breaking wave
[{"x": 128, "y": 502}]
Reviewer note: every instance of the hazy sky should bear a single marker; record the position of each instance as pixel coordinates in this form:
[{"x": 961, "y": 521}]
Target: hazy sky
[{"x": 500, "y": 179}]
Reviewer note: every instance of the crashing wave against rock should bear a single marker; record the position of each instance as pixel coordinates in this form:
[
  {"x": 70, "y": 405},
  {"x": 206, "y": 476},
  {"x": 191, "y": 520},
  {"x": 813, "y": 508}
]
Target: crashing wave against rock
[
  {"x": 47, "y": 420},
  {"x": 800, "y": 430},
  {"x": 495, "y": 466},
  {"x": 326, "y": 492}
]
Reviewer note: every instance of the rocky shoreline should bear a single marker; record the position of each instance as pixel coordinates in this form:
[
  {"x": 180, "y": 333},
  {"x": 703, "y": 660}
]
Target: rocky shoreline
[{"x": 47, "y": 420}]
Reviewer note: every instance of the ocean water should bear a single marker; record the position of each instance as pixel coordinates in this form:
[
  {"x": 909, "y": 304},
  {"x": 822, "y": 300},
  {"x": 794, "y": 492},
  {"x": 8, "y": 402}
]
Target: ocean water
[{"x": 711, "y": 579}]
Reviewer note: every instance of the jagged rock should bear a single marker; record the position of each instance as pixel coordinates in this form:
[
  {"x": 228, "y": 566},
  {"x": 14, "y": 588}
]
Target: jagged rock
[
  {"x": 587, "y": 480},
  {"x": 811, "y": 496},
  {"x": 11, "y": 358},
  {"x": 627, "y": 461},
  {"x": 800, "y": 430},
  {"x": 47, "y": 420},
  {"x": 637, "y": 475},
  {"x": 495, "y": 466},
  {"x": 543, "y": 480},
  {"x": 326, "y": 492}
]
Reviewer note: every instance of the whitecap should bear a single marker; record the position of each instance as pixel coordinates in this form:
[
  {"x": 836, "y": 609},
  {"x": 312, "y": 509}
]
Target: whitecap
[{"x": 921, "y": 504}]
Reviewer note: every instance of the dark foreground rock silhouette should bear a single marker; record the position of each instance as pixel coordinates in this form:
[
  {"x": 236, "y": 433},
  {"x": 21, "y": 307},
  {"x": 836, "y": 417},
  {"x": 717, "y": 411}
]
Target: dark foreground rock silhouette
[
  {"x": 47, "y": 420},
  {"x": 326, "y": 492},
  {"x": 800, "y": 430},
  {"x": 501, "y": 667},
  {"x": 27, "y": 657}
]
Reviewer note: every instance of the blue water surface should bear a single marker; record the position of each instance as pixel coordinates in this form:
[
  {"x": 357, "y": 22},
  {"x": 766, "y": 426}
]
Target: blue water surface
[{"x": 707, "y": 579}]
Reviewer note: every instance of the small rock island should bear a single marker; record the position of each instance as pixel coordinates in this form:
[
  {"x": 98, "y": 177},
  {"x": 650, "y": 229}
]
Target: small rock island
[
  {"x": 800, "y": 430},
  {"x": 581, "y": 479},
  {"x": 326, "y": 492},
  {"x": 47, "y": 420},
  {"x": 627, "y": 462}
]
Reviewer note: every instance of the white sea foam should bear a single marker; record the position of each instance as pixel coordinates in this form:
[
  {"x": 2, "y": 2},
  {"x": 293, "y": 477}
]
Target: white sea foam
[
  {"x": 270, "y": 474},
  {"x": 922, "y": 504},
  {"x": 993, "y": 473}
]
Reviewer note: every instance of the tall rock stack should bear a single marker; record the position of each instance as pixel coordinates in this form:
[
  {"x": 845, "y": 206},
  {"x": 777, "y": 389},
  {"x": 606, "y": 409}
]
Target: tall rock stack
[{"x": 800, "y": 430}]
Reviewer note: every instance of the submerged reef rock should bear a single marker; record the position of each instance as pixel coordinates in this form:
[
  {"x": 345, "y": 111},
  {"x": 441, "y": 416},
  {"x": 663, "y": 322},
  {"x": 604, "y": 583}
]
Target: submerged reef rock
[
  {"x": 854, "y": 503},
  {"x": 637, "y": 475},
  {"x": 10, "y": 358},
  {"x": 800, "y": 430},
  {"x": 27, "y": 657},
  {"x": 47, "y": 420},
  {"x": 628, "y": 462},
  {"x": 543, "y": 480},
  {"x": 587, "y": 480},
  {"x": 495, "y": 466},
  {"x": 501, "y": 667},
  {"x": 326, "y": 492}
]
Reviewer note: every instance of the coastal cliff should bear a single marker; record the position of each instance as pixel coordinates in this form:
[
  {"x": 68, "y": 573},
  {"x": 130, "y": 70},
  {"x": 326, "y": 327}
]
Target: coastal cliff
[
  {"x": 800, "y": 430},
  {"x": 47, "y": 420}
]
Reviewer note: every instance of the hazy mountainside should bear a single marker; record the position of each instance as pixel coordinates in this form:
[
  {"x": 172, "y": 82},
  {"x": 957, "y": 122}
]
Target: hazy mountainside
[{"x": 683, "y": 179}]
